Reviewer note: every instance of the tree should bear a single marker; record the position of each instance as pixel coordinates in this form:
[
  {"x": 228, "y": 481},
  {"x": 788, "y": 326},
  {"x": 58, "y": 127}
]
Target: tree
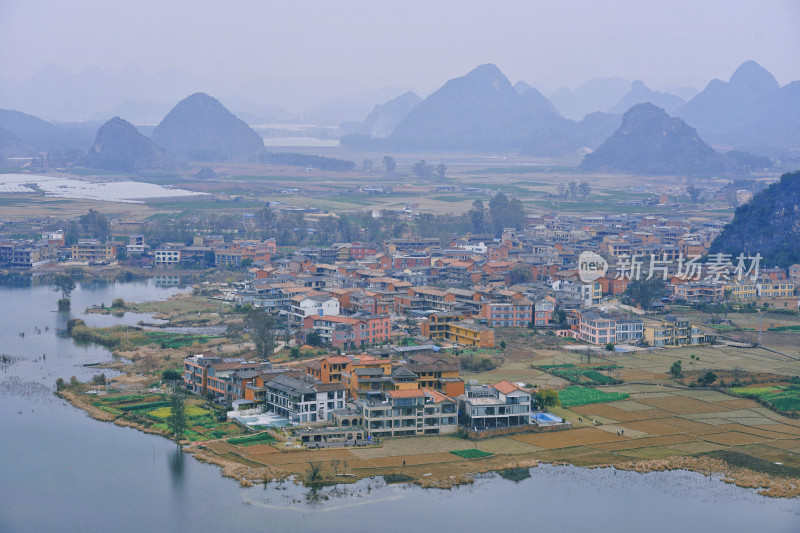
[
  {"x": 171, "y": 375},
  {"x": 643, "y": 292},
  {"x": 584, "y": 189},
  {"x": 313, "y": 338},
  {"x": 96, "y": 224},
  {"x": 505, "y": 213},
  {"x": 65, "y": 285},
  {"x": 261, "y": 327},
  {"x": 546, "y": 398},
  {"x": 521, "y": 273},
  {"x": 477, "y": 215},
  {"x": 610, "y": 347},
  {"x": 176, "y": 421},
  {"x": 441, "y": 168},
  {"x": 707, "y": 379},
  {"x": 693, "y": 192},
  {"x": 572, "y": 189},
  {"x": 366, "y": 165},
  {"x": 314, "y": 472},
  {"x": 559, "y": 317},
  {"x": 422, "y": 169},
  {"x": 562, "y": 190},
  {"x": 676, "y": 369},
  {"x": 389, "y": 164},
  {"x": 72, "y": 233}
]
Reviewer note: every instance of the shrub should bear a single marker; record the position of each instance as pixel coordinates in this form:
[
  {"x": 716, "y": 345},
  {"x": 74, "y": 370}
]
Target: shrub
[
  {"x": 171, "y": 375},
  {"x": 471, "y": 453},
  {"x": 476, "y": 364},
  {"x": 252, "y": 440}
]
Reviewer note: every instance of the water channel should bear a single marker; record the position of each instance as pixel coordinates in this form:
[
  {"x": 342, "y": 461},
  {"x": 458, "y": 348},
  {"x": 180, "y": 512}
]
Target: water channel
[{"x": 63, "y": 471}]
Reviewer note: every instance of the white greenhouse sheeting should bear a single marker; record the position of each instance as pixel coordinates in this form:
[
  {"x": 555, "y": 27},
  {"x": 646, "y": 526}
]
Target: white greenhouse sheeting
[{"x": 73, "y": 187}]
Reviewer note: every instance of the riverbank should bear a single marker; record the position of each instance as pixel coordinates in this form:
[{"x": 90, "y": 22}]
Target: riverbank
[{"x": 430, "y": 463}]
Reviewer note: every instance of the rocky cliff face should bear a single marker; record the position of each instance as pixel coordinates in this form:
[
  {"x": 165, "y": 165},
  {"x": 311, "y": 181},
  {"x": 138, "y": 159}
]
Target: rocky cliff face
[{"x": 769, "y": 224}]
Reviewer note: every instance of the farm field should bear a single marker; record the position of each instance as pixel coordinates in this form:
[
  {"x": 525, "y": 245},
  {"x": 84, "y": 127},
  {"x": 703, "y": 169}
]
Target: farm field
[
  {"x": 244, "y": 187},
  {"x": 150, "y": 412}
]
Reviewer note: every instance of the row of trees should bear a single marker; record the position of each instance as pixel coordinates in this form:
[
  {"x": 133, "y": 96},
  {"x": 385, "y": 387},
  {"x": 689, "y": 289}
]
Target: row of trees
[
  {"x": 501, "y": 213},
  {"x": 426, "y": 171},
  {"x": 574, "y": 190},
  {"x": 93, "y": 224}
]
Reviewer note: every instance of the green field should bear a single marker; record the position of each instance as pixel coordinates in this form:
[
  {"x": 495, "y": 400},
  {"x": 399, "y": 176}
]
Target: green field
[
  {"x": 574, "y": 396},
  {"x": 781, "y": 397},
  {"x": 590, "y": 375},
  {"x": 152, "y": 411}
]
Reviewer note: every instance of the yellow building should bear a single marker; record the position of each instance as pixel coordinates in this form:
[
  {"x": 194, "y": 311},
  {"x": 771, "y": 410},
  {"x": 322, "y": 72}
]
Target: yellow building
[
  {"x": 741, "y": 291},
  {"x": 459, "y": 333},
  {"x": 93, "y": 250},
  {"x": 776, "y": 289},
  {"x": 673, "y": 331}
]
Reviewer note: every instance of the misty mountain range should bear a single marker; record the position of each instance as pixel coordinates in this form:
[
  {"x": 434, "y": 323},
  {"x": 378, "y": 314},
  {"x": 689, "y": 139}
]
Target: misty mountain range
[{"x": 480, "y": 112}]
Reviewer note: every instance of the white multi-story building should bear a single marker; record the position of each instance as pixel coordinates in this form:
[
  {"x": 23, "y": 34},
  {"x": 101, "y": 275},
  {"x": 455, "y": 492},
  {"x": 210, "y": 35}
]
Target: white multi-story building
[
  {"x": 319, "y": 304},
  {"x": 494, "y": 406},
  {"x": 304, "y": 400},
  {"x": 167, "y": 255},
  {"x": 409, "y": 412}
]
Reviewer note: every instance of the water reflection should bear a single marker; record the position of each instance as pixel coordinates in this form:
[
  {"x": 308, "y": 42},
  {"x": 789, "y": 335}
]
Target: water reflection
[{"x": 177, "y": 465}]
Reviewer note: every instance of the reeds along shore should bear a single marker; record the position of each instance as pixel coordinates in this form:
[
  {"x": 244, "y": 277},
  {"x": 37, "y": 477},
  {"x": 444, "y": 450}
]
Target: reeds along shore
[{"x": 247, "y": 476}]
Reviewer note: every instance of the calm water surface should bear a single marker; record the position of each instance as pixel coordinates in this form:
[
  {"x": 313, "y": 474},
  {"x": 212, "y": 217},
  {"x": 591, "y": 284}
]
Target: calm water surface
[{"x": 62, "y": 471}]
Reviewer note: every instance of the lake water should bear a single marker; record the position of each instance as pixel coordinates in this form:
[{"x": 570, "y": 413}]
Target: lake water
[{"x": 63, "y": 471}]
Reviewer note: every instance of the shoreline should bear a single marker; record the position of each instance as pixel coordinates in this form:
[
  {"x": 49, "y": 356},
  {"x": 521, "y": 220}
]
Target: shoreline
[{"x": 249, "y": 473}]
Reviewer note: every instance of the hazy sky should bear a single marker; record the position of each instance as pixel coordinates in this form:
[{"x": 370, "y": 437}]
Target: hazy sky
[{"x": 362, "y": 45}]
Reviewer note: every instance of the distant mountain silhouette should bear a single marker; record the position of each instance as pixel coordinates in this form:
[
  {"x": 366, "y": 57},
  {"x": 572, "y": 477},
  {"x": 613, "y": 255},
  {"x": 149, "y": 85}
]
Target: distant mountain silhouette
[
  {"x": 120, "y": 146},
  {"x": 598, "y": 94},
  {"x": 383, "y": 118},
  {"x": 13, "y": 146},
  {"x": 768, "y": 224},
  {"x": 750, "y": 109},
  {"x": 200, "y": 128},
  {"x": 41, "y": 135},
  {"x": 522, "y": 87},
  {"x": 568, "y": 136},
  {"x": 206, "y": 173},
  {"x": 649, "y": 141},
  {"x": 773, "y": 121},
  {"x": 482, "y": 112},
  {"x": 640, "y": 94}
]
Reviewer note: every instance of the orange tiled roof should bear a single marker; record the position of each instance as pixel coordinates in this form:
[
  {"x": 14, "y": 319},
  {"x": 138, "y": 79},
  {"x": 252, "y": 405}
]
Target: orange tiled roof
[
  {"x": 337, "y": 360},
  {"x": 413, "y": 393},
  {"x": 506, "y": 387},
  {"x": 438, "y": 397}
]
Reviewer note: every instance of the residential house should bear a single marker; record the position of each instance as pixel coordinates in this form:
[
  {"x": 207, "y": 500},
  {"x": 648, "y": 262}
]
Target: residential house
[
  {"x": 494, "y": 406},
  {"x": 409, "y": 412}
]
